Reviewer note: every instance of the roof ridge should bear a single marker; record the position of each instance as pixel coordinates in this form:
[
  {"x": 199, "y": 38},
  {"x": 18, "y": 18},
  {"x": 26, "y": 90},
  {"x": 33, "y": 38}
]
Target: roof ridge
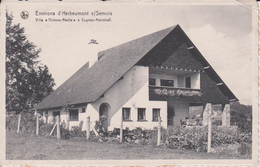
[{"x": 100, "y": 54}]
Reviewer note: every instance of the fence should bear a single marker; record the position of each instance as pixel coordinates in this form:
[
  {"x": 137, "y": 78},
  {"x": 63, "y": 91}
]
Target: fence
[{"x": 26, "y": 123}]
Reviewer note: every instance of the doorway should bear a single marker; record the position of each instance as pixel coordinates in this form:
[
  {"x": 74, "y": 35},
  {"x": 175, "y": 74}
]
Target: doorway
[
  {"x": 104, "y": 111},
  {"x": 170, "y": 115}
]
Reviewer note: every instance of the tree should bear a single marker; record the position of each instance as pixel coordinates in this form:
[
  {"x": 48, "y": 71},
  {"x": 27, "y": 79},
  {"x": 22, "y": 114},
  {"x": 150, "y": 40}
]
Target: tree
[
  {"x": 241, "y": 115},
  {"x": 27, "y": 82}
]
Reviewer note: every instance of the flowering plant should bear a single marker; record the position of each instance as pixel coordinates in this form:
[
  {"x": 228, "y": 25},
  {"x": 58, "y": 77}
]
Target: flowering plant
[{"x": 187, "y": 93}]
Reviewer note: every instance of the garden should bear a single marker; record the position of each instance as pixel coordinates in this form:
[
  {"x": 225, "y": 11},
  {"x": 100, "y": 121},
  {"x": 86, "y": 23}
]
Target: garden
[{"x": 226, "y": 142}]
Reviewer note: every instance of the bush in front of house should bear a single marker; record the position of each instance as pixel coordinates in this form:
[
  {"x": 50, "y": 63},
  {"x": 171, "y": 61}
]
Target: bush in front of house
[
  {"x": 45, "y": 129},
  {"x": 134, "y": 136},
  {"x": 229, "y": 135},
  {"x": 77, "y": 132},
  {"x": 194, "y": 138}
]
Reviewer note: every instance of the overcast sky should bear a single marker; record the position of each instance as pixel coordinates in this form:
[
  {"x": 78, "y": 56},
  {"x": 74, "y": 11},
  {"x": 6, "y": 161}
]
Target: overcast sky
[{"x": 221, "y": 33}]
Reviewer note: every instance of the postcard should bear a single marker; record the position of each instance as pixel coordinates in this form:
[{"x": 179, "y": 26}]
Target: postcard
[{"x": 132, "y": 83}]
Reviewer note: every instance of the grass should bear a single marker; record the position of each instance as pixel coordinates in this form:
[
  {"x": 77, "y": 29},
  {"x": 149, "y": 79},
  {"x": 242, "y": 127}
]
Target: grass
[{"x": 26, "y": 147}]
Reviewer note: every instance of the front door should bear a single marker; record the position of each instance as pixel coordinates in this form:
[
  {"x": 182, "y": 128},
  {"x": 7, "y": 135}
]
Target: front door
[{"x": 170, "y": 115}]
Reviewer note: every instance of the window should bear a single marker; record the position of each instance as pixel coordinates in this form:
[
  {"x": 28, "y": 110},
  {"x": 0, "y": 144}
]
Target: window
[
  {"x": 126, "y": 113},
  {"x": 156, "y": 114},
  {"x": 165, "y": 82},
  {"x": 152, "y": 81},
  {"x": 188, "y": 82},
  {"x": 46, "y": 113},
  {"x": 83, "y": 110},
  {"x": 141, "y": 114},
  {"x": 74, "y": 115},
  {"x": 55, "y": 113}
]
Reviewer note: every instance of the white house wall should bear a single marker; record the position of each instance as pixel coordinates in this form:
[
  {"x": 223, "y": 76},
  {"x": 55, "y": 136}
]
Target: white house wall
[
  {"x": 130, "y": 91},
  {"x": 141, "y": 100},
  {"x": 93, "y": 114},
  {"x": 123, "y": 90},
  {"x": 181, "y": 81},
  {"x": 195, "y": 80},
  {"x": 64, "y": 116}
]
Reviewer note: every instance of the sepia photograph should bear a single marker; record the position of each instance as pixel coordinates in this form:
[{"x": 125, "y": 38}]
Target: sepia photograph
[{"x": 129, "y": 83}]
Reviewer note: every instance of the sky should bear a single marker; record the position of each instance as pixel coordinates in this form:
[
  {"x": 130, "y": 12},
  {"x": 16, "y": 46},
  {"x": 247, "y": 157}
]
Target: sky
[{"x": 222, "y": 33}]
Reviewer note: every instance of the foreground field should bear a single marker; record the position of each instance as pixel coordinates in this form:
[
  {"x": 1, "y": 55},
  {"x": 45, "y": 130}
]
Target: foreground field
[{"x": 24, "y": 147}]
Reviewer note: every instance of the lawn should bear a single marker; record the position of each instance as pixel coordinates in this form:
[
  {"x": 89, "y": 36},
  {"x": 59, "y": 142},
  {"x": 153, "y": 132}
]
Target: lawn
[{"x": 26, "y": 147}]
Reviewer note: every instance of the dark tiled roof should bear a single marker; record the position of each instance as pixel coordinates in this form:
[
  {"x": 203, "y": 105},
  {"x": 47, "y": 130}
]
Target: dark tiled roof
[{"x": 87, "y": 85}]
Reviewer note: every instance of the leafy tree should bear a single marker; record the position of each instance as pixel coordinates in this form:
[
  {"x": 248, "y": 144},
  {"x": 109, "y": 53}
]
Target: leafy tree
[
  {"x": 241, "y": 115},
  {"x": 27, "y": 82}
]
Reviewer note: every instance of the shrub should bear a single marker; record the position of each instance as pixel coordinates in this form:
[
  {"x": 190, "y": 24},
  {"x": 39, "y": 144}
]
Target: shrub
[
  {"x": 76, "y": 132},
  {"x": 227, "y": 135},
  {"x": 194, "y": 138},
  {"x": 245, "y": 149},
  {"x": 217, "y": 122},
  {"x": 223, "y": 135},
  {"x": 45, "y": 129},
  {"x": 241, "y": 115}
]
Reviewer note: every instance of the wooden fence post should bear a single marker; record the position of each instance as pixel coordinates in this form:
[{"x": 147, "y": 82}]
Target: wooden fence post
[
  {"x": 19, "y": 123},
  {"x": 68, "y": 121},
  {"x": 88, "y": 128},
  {"x": 209, "y": 134},
  {"x": 121, "y": 129},
  {"x": 210, "y": 116},
  {"x": 159, "y": 132},
  {"x": 58, "y": 126},
  {"x": 37, "y": 123}
]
